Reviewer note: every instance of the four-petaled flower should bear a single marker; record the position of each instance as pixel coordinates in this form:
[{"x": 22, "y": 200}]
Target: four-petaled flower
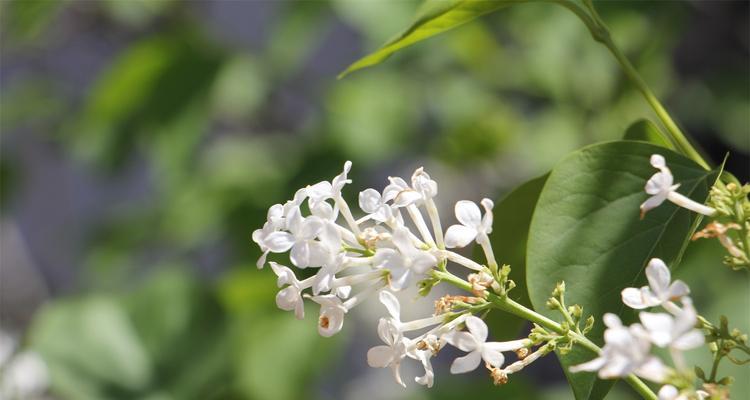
[
  {"x": 626, "y": 350},
  {"x": 660, "y": 292},
  {"x": 677, "y": 332},
  {"x": 290, "y": 297},
  {"x": 660, "y": 187},
  {"x": 473, "y": 225},
  {"x": 475, "y": 343},
  {"x": 332, "y": 311},
  {"x": 390, "y": 354},
  {"x": 406, "y": 261}
]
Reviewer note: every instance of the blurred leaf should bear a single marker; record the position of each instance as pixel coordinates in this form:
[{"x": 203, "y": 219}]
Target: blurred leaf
[
  {"x": 434, "y": 17},
  {"x": 585, "y": 231},
  {"x": 377, "y": 20},
  {"x": 90, "y": 340},
  {"x": 145, "y": 88},
  {"x": 137, "y": 13},
  {"x": 645, "y": 131},
  {"x": 26, "y": 19},
  {"x": 240, "y": 88},
  {"x": 289, "y": 347},
  {"x": 373, "y": 117},
  {"x": 183, "y": 307},
  {"x": 512, "y": 216}
]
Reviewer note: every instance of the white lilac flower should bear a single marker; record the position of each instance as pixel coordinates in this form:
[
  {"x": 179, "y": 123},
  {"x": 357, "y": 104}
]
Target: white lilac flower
[
  {"x": 475, "y": 343},
  {"x": 332, "y": 312},
  {"x": 306, "y": 251},
  {"x": 290, "y": 297},
  {"x": 676, "y": 332},
  {"x": 400, "y": 193},
  {"x": 626, "y": 350},
  {"x": 371, "y": 202},
  {"x": 325, "y": 190},
  {"x": 406, "y": 261},
  {"x": 392, "y": 353},
  {"x": 661, "y": 291},
  {"x": 660, "y": 186},
  {"x": 423, "y": 184},
  {"x": 473, "y": 225}
]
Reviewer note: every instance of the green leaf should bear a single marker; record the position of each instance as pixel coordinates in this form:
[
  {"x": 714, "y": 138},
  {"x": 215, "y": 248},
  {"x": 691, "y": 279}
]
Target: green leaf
[
  {"x": 512, "y": 217},
  {"x": 89, "y": 344},
  {"x": 434, "y": 17},
  {"x": 646, "y": 131},
  {"x": 586, "y": 231}
]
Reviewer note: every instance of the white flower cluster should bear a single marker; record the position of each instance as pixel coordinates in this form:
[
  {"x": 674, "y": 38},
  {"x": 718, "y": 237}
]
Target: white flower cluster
[
  {"x": 627, "y": 349},
  {"x": 388, "y": 249}
]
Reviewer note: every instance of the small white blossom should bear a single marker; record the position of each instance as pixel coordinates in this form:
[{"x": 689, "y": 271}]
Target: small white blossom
[
  {"x": 677, "y": 332},
  {"x": 332, "y": 312},
  {"x": 371, "y": 202},
  {"x": 406, "y": 262},
  {"x": 475, "y": 343},
  {"x": 626, "y": 350},
  {"x": 390, "y": 354},
  {"x": 423, "y": 184},
  {"x": 660, "y": 292},
  {"x": 660, "y": 187},
  {"x": 325, "y": 190},
  {"x": 473, "y": 225},
  {"x": 290, "y": 297},
  {"x": 400, "y": 193}
]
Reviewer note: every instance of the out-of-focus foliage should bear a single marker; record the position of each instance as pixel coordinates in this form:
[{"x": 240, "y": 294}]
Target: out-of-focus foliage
[{"x": 150, "y": 137}]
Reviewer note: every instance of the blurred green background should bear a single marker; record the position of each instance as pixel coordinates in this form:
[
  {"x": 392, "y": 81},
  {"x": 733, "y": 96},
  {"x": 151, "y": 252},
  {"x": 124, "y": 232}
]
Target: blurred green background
[{"x": 142, "y": 142}]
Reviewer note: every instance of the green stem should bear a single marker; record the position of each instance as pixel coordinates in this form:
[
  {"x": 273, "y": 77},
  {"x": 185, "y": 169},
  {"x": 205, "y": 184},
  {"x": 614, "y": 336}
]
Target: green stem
[
  {"x": 600, "y": 33},
  {"x": 715, "y": 365},
  {"x": 506, "y": 304}
]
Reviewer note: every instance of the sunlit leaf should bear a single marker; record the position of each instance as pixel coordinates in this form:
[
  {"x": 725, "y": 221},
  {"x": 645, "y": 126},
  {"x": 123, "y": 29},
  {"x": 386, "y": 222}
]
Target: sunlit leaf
[{"x": 435, "y": 16}]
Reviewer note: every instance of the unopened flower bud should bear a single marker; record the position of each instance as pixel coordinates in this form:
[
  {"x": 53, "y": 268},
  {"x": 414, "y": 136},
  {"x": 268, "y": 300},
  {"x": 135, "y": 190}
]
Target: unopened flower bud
[{"x": 522, "y": 353}]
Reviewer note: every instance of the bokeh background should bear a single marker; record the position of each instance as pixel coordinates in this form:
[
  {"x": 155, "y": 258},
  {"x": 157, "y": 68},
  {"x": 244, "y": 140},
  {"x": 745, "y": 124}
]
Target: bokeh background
[{"x": 142, "y": 142}]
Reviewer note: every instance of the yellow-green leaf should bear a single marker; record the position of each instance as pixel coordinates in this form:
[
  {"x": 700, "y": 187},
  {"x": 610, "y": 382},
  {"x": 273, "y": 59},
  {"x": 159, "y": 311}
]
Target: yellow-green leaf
[{"x": 434, "y": 17}]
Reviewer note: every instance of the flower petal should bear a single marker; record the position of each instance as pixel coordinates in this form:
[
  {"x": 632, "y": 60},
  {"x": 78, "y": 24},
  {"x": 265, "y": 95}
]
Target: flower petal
[
  {"x": 459, "y": 236},
  {"x": 279, "y": 242},
  {"x": 689, "y": 340},
  {"x": 658, "y": 277},
  {"x": 593, "y": 365},
  {"x": 466, "y": 363},
  {"x": 493, "y": 356},
  {"x": 369, "y": 200},
  {"x": 678, "y": 289},
  {"x": 462, "y": 340},
  {"x": 379, "y": 356},
  {"x": 659, "y": 326},
  {"x": 477, "y": 327},
  {"x": 652, "y": 369},
  {"x": 658, "y": 161},
  {"x": 391, "y": 304},
  {"x": 633, "y": 299},
  {"x": 468, "y": 214}
]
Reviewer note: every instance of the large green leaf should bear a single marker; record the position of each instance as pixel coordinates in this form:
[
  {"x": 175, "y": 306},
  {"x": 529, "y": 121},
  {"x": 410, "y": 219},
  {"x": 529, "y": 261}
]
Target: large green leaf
[
  {"x": 586, "y": 231},
  {"x": 512, "y": 219},
  {"x": 434, "y": 17}
]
